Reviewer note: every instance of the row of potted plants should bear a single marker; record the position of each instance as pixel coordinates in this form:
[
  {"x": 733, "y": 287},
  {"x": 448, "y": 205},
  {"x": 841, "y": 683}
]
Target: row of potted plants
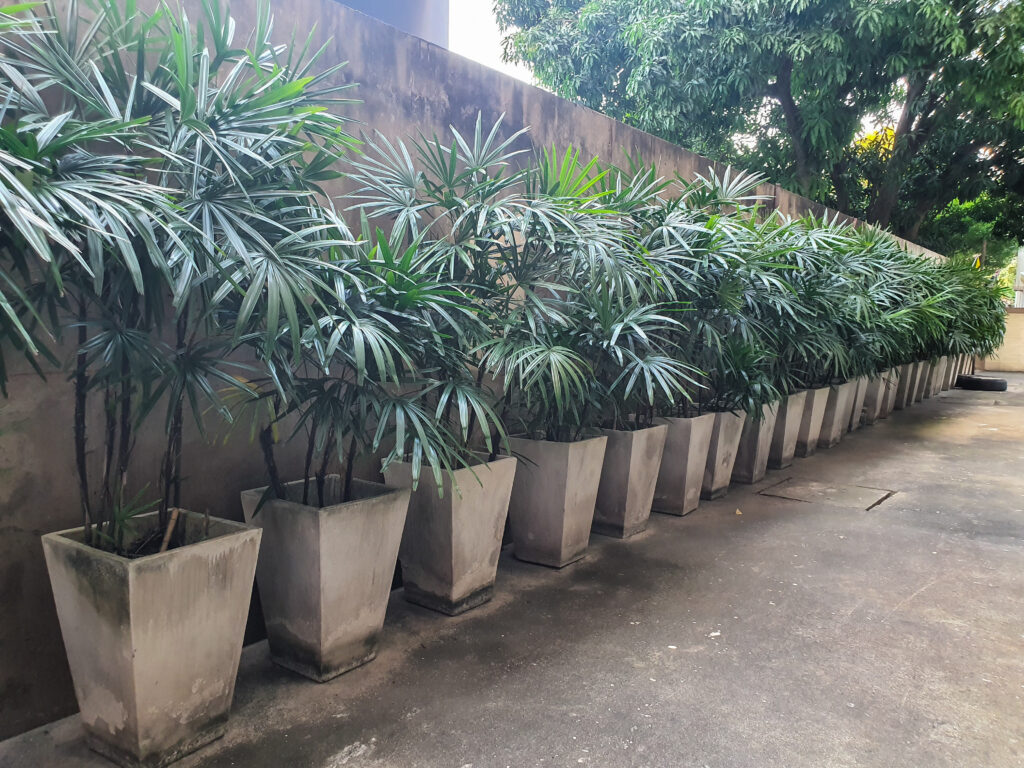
[{"x": 543, "y": 337}]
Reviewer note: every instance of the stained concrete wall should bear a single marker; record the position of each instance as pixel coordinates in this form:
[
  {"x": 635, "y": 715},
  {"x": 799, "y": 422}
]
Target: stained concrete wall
[
  {"x": 407, "y": 86},
  {"x": 1010, "y": 356}
]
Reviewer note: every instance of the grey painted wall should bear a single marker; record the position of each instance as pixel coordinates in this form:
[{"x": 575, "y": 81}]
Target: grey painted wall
[
  {"x": 424, "y": 18},
  {"x": 407, "y": 86}
]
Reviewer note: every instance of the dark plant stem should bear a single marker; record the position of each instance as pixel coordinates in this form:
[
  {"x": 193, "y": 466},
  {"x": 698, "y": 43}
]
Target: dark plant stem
[
  {"x": 267, "y": 445},
  {"x": 321, "y": 473},
  {"x": 350, "y": 464},
  {"x": 308, "y": 466},
  {"x": 81, "y": 391}
]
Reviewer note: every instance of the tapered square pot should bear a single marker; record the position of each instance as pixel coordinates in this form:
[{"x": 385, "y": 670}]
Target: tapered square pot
[
  {"x": 154, "y": 642},
  {"x": 938, "y": 374},
  {"x": 875, "y": 394},
  {"x": 626, "y": 492},
  {"x": 949, "y": 379},
  {"x": 921, "y": 381},
  {"x": 810, "y": 423},
  {"x": 755, "y": 445},
  {"x": 725, "y": 442},
  {"x": 325, "y": 572},
  {"x": 904, "y": 386},
  {"x": 857, "y": 403},
  {"x": 787, "y": 427},
  {"x": 552, "y": 506},
  {"x": 452, "y": 541},
  {"x": 687, "y": 443},
  {"x": 891, "y": 388},
  {"x": 836, "y": 422}
]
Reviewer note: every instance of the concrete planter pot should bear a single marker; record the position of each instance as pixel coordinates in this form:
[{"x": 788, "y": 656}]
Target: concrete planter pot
[
  {"x": 687, "y": 443},
  {"x": 632, "y": 461},
  {"x": 921, "y": 380},
  {"x": 725, "y": 442},
  {"x": 837, "y": 414},
  {"x": 875, "y": 393},
  {"x": 904, "y": 386},
  {"x": 787, "y": 427},
  {"x": 949, "y": 379},
  {"x": 891, "y": 388},
  {"x": 938, "y": 374},
  {"x": 811, "y": 421},
  {"x": 451, "y": 542},
  {"x": 325, "y": 572},
  {"x": 154, "y": 643},
  {"x": 857, "y": 403},
  {"x": 552, "y": 505},
  {"x": 755, "y": 446}
]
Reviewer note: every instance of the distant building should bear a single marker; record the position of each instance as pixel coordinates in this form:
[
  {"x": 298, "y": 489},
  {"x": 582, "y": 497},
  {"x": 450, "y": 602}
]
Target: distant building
[{"x": 424, "y": 18}]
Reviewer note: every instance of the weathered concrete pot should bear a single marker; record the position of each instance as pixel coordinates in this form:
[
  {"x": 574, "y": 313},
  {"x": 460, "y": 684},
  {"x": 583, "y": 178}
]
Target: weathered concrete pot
[
  {"x": 755, "y": 445},
  {"x": 677, "y": 491},
  {"x": 857, "y": 403},
  {"x": 810, "y": 423},
  {"x": 891, "y": 390},
  {"x": 787, "y": 427},
  {"x": 553, "y": 498},
  {"x": 632, "y": 461},
  {"x": 836, "y": 422},
  {"x": 451, "y": 542},
  {"x": 154, "y": 643},
  {"x": 921, "y": 381},
  {"x": 875, "y": 394},
  {"x": 904, "y": 386},
  {"x": 725, "y": 442},
  {"x": 938, "y": 374},
  {"x": 949, "y": 379},
  {"x": 325, "y": 572}
]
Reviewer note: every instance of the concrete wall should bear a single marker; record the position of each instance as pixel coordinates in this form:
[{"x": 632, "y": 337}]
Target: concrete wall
[
  {"x": 424, "y": 18},
  {"x": 1010, "y": 356},
  {"x": 407, "y": 86}
]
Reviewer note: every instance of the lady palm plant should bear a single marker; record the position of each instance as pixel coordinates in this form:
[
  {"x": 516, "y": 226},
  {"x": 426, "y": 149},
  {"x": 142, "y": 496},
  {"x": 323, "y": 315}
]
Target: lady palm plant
[{"x": 207, "y": 222}]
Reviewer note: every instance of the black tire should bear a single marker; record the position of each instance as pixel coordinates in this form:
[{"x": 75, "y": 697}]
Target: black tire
[{"x": 981, "y": 383}]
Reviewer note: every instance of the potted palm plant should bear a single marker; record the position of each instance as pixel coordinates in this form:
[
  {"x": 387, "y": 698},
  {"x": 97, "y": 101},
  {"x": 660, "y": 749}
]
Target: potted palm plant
[{"x": 173, "y": 222}]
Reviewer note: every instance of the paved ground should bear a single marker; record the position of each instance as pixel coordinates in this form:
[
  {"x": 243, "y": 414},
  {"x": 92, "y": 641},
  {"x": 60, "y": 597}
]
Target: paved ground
[{"x": 759, "y": 631}]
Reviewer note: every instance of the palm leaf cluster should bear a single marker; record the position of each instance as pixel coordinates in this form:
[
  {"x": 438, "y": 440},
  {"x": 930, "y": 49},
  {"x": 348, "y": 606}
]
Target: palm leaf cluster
[{"x": 163, "y": 226}]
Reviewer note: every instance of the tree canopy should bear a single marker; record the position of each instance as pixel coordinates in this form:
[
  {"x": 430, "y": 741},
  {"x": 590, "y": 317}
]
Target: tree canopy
[{"x": 791, "y": 87}]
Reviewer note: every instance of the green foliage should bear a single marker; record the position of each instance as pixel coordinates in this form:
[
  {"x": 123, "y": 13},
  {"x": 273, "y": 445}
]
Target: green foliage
[{"x": 785, "y": 86}]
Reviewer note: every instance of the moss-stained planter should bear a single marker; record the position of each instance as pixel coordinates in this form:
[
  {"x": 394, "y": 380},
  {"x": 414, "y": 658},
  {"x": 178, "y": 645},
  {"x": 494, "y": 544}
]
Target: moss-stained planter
[
  {"x": 452, "y": 541},
  {"x": 631, "y": 464},
  {"x": 787, "y": 428},
  {"x": 921, "y": 380},
  {"x": 836, "y": 421},
  {"x": 891, "y": 390},
  {"x": 857, "y": 403},
  {"x": 755, "y": 444},
  {"x": 810, "y": 423},
  {"x": 876, "y": 391},
  {"x": 552, "y": 505},
  {"x": 687, "y": 443},
  {"x": 325, "y": 572},
  {"x": 905, "y": 386},
  {"x": 154, "y": 643},
  {"x": 725, "y": 442}
]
